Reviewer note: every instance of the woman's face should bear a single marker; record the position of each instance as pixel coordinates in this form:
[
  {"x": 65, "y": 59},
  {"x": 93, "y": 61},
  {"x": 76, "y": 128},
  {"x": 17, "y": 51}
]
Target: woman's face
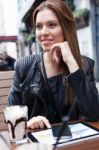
[{"x": 48, "y": 29}]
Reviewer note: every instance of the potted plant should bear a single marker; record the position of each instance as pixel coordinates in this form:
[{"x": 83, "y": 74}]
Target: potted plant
[{"x": 81, "y": 17}]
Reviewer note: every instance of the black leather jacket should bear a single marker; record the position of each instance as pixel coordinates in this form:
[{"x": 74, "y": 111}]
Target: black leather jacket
[{"x": 29, "y": 89}]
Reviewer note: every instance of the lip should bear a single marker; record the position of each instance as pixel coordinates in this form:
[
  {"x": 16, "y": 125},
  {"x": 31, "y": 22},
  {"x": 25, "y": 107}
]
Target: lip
[{"x": 46, "y": 41}]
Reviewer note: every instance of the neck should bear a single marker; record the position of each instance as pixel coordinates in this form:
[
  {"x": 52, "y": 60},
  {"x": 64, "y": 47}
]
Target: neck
[{"x": 51, "y": 67}]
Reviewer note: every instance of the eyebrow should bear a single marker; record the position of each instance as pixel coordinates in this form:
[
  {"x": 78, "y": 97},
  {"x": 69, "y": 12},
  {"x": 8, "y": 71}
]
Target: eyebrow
[{"x": 55, "y": 21}]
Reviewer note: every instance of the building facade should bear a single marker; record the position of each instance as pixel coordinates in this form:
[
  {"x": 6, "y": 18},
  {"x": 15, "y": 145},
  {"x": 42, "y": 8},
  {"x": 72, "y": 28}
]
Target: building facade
[{"x": 9, "y": 25}]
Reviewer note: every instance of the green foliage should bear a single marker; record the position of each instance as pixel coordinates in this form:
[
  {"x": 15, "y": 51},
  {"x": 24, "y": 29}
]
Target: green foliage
[
  {"x": 81, "y": 13},
  {"x": 30, "y": 36}
]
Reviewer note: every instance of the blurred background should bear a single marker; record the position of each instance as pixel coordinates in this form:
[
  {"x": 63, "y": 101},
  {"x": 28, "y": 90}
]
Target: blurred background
[{"x": 17, "y": 35}]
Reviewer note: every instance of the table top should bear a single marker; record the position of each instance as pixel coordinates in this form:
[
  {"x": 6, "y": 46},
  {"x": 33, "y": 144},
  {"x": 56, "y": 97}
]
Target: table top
[{"x": 89, "y": 144}]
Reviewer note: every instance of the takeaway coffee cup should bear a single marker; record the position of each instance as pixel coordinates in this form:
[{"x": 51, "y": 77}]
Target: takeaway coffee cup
[{"x": 16, "y": 118}]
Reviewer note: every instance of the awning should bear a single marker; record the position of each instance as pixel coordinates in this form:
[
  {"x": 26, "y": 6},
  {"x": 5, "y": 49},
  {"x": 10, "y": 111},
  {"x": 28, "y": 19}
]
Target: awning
[
  {"x": 27, "y": 17},
  {"x": 8, "y": 38}
]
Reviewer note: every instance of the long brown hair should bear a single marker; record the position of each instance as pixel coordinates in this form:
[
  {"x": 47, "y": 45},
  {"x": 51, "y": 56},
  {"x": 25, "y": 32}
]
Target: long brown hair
[{"x": 67, "y": 22}]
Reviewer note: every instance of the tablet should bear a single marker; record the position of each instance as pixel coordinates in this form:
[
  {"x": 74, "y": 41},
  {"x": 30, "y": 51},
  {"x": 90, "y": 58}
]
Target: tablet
[{"x": 72, "y": 132}]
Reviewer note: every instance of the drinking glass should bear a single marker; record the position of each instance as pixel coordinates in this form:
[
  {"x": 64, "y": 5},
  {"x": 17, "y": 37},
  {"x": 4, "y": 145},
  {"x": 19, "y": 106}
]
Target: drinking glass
[{"x": 16, "y": 118}]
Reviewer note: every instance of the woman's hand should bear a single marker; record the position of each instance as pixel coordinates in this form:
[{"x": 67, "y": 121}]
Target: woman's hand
[
  {"x": 63, "y": 51},
  {"x": 38, "y": 122}
]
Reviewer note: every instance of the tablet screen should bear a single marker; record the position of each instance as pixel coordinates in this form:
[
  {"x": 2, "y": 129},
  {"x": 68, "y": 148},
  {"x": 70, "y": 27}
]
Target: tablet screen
[{"x": 73, "y": 132}]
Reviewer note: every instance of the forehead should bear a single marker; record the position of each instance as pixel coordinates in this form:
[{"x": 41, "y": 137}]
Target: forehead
[{"x": 46, "y": 14}]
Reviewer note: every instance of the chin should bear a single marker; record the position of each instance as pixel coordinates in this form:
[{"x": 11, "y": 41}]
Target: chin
[{"x": 46, "y": 49}]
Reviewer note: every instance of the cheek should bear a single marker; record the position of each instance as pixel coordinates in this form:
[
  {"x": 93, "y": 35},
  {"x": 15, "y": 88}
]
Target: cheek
[
  {"x": 37, "y": 34},
  {"x": 59, "y": 36}
]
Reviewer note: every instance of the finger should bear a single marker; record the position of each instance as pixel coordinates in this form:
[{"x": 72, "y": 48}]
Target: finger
[
  {"x": 40, "y": 122},
  {"x": 36, "y": 126},
  {"x": 46, "y": 122},
  {"x": 56, "y": 46},
  {"x": 31, "y": 122},
  {"x": 55, "y": 58},
  {"x": 41, "y": 125},
  {"x": 29, "y": 125}
]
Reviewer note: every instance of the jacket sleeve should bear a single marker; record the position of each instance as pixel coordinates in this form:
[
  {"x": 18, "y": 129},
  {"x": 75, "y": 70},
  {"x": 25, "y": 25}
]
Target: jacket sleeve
[
  {"x": 22, "y": 67},
  {"x": 14, "y": 97},
  {"x": 83, "y": 85}
]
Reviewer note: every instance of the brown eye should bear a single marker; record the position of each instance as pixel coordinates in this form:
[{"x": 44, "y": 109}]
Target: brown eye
[
  {"x": 52, "y": 25},
  {"x": 38, "y": 27}
]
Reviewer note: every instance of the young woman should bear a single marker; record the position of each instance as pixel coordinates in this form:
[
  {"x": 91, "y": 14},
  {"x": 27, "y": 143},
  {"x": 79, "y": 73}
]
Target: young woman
[{"x": 58, "y": 79}]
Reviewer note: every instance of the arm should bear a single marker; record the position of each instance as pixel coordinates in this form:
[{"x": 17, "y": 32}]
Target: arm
[
  {"x": 15, "y": 97},
  {"x": 82, "y": 82},
  {"x": 22, "y": 67},
  {"x": 83, "y": 85}
]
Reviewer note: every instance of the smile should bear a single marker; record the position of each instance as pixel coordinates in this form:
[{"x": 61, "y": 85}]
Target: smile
[{"x": 46, "y": 41}]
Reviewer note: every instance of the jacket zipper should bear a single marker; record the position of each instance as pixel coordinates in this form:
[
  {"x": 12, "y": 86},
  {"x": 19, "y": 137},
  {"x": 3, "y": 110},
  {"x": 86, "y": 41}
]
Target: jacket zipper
[
  {"x": 35, "y": 93},
  {"x": 66, "y": 88}
]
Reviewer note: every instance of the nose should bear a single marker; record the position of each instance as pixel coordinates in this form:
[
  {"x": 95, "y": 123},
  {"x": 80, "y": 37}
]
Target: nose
[{"x": 44, "y": 30}]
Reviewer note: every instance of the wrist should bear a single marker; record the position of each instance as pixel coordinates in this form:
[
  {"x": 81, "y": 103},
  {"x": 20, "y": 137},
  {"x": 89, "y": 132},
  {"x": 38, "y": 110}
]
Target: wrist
[{"x": 72, "y": 64}]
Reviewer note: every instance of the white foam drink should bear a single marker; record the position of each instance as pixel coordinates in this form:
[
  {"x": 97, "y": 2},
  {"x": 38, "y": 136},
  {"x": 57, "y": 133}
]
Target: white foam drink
[{"x": 16, "y": 118}]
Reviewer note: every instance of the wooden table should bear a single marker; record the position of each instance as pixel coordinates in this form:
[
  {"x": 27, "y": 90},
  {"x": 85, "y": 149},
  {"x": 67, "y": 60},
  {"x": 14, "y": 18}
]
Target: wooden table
[{"x": 92, "y": 144}]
